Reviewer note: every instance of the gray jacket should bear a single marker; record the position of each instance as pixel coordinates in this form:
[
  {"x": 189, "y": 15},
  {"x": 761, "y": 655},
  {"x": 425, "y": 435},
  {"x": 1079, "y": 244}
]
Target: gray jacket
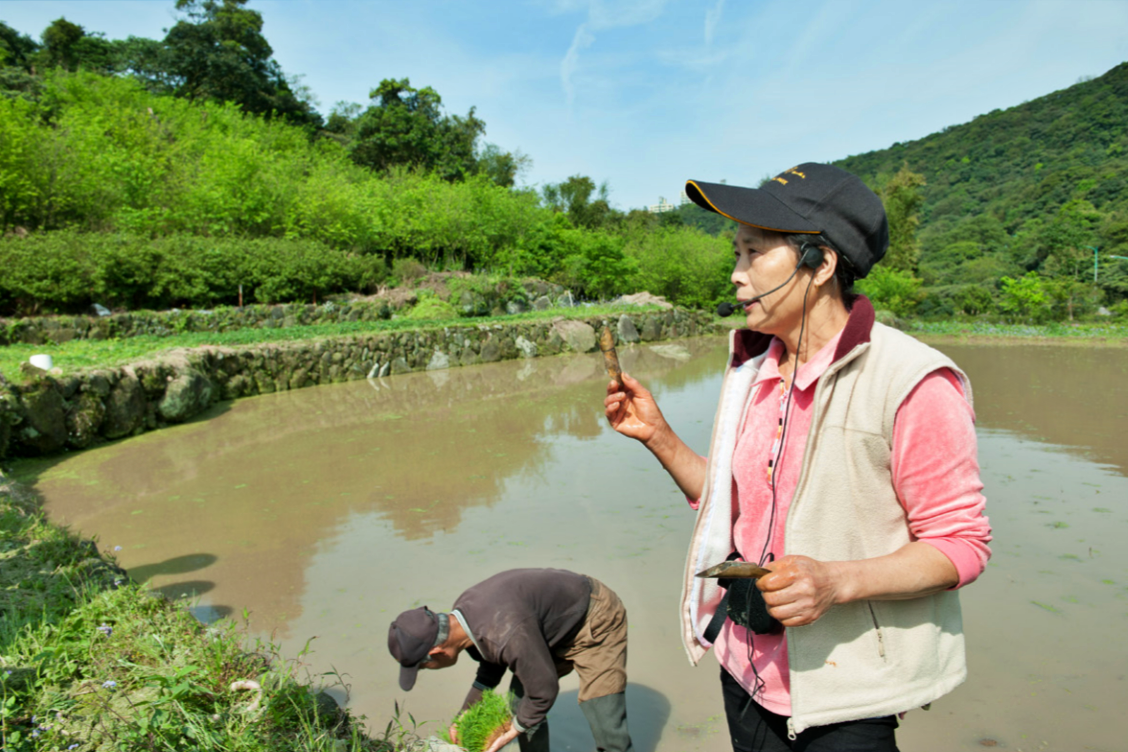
[{"x": 517, "y": 620}]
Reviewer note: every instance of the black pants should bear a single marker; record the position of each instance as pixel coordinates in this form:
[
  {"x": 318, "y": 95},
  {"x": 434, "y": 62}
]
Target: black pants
[{"x": 754, "y": 729}]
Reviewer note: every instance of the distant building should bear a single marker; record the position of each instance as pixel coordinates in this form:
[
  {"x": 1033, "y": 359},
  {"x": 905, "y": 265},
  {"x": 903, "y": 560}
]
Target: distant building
[{"x": 664, "y": 206}]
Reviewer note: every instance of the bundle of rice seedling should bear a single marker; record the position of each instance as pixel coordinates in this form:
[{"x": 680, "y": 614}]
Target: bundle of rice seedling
[{"x": 482, "y": 722}]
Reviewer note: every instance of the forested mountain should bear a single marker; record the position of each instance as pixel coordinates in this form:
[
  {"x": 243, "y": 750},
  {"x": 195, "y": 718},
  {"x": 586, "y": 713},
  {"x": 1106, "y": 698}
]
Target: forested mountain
[
  {"x": 1031, "y": 188},
  {"x": 201, "y": 137}
]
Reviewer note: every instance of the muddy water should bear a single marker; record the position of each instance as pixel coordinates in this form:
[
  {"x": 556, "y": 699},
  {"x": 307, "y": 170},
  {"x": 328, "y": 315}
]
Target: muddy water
[{"x": 324, "y": 512}]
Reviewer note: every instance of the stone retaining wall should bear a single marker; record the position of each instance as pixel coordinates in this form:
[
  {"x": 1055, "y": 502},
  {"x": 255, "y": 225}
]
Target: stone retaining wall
[
  {"x": 52, "y": 414},
  {"x": 41, "y": 330},
  {"x": 58, "y": 329}
]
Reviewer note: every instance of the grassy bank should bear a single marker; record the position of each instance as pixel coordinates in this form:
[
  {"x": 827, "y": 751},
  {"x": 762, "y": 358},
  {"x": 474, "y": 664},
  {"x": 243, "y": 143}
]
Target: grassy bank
[
  {"x": 1091, "y": 335},
  {"x": 88, "y": 354},
  {"x": 91, "y": 661}
]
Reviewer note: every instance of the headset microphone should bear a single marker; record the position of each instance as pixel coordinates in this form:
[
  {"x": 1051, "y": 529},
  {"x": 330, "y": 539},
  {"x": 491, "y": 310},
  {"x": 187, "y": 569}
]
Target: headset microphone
[{"x": 812, "y": 257}]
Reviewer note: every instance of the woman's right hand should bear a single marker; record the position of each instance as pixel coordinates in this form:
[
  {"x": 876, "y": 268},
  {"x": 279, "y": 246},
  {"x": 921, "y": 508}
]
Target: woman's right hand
[{"x": 631, "y": 410}]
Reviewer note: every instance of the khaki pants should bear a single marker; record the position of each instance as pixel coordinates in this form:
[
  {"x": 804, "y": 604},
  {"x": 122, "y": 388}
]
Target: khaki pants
[{"x": 599, "y": 651}]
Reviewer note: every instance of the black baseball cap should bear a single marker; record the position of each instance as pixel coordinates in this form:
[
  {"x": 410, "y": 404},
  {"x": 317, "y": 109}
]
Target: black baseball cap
[
  {"x": 809, "y": 198},
  {"x": 411, "y": 637}
]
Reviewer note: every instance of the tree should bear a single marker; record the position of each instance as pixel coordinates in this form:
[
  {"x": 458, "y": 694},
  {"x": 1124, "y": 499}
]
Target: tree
[
  {"x": 892, "y": 290},
  {"x": 218, "y": 52},
  {"x": 1024, "y": 299},
  {"x": 406, "y": 126},
  {"x": 903, "y": 200},
  {"x": 16, "y": 49},
  {"x": 17, "y": 52},
  {"x": 502, "y": 167},
  {"x": 574, "y": 198},
  {"x": 68, "y": 45},
  {"x": 59, "y": 42},
  {"x": 1069, "y": 238}
]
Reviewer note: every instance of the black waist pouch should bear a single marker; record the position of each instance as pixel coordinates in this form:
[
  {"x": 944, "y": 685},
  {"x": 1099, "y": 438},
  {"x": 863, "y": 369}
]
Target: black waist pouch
[{"x": 744, "y": 604}]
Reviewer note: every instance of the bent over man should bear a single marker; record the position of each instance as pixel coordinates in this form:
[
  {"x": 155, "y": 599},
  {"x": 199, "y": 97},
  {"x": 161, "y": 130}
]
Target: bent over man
[{"x": 540, "y": 624}]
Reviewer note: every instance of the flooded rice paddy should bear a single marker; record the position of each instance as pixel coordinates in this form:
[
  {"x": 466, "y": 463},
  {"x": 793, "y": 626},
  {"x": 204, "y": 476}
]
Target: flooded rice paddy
[{"x": 324, "y": 512}]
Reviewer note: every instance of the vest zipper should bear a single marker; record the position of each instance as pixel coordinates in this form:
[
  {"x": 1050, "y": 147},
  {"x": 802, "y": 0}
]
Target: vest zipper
[
  {"x": 877, "y": 627},
  {"x": 791, "y": 735}
]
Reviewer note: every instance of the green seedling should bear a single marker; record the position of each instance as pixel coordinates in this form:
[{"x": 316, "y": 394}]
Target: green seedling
[{"x": 481, "y": 723}]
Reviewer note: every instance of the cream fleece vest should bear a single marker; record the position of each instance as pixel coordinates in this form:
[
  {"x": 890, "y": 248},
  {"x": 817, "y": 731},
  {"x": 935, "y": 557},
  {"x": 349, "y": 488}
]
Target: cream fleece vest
[{"x": 862, "y": 659}]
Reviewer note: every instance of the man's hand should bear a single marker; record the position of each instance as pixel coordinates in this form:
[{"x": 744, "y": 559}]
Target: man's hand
[
  {"x": 509, "y": 735},
  {"x": 453, "y": 732},
  {"x": 799, "y": 590}
]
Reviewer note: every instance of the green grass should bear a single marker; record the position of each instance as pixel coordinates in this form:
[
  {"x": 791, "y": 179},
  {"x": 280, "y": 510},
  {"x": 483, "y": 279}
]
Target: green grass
[
  {"x": 479, "y": 722},
  {"x": 89, "y": 354},
  {"x": 1047, "y": 331},
  {"x": 90, "y": 661}
]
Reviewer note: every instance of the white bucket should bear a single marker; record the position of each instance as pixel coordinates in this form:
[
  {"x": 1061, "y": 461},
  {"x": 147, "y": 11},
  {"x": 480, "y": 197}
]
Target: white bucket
[{"x": 41, "y": 361}]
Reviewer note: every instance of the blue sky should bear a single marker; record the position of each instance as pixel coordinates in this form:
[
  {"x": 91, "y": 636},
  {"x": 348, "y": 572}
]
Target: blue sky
[{"x": 647, "y": 93}]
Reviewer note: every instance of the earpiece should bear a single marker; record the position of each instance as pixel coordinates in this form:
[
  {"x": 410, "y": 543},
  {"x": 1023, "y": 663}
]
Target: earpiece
[{"x": 812, "y": 256}]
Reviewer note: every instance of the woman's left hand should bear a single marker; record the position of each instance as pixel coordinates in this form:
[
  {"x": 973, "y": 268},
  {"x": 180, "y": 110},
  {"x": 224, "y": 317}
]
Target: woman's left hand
[{"x": 799, "y": 590}]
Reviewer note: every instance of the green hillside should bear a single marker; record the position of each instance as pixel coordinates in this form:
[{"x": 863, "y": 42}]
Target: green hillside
[
  {"x": 1033, "y": 188},
  {"x": 179, "y": 171}
]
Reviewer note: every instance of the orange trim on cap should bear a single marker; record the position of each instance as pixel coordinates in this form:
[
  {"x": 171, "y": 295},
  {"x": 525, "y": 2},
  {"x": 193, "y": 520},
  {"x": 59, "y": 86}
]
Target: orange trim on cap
[{"x": 741, "y": 221}]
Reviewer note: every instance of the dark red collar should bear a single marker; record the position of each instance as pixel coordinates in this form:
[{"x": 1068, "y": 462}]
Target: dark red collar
[{"x": 748, "y": 344}]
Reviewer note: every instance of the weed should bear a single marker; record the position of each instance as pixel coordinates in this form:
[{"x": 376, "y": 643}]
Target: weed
[{"x": 89, "y": 660}]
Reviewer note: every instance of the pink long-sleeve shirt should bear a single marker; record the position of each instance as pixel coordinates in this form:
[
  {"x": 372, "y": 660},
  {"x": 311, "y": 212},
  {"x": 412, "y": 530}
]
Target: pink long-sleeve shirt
[{"x": 935, "y": 473}]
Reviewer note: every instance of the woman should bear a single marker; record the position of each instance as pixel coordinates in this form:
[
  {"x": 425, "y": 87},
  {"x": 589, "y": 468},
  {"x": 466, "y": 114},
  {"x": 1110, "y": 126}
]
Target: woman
[{"x": 843, "y": 460}]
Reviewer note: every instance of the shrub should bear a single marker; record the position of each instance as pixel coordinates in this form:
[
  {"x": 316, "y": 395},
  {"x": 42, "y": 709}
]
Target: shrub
[
  {"x": 1024, "y": 299},
  {"x": 407, "y": 270},
  {"x": 684, "y": 265},
  {"x": 431, "y": 308},
  {"x": 67, "y": 271},
  {"x": 598, "y": 269},
  {"x": 891, "y": 290},
  {"x": 481, "y": 295}
]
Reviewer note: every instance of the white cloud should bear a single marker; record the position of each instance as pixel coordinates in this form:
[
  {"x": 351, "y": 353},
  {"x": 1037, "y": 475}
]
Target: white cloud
[
  {"x": 712, "y": 18},
  {"x": 605, "y": 14},
  {"x": 571, "y": 61},
  {"x": 602, "y": 15}
]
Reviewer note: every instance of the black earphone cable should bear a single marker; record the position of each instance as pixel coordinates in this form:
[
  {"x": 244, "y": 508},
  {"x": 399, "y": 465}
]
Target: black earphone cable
[
  {"x": 764, "y": 556},
  {"x": 758, "y": 681}
]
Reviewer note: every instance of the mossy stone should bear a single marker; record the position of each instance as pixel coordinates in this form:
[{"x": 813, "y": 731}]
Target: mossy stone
[
  {"x": 84, "y": 416},
  {"x": 44, "y": 428},
  {"x": 125, "y": 407},
  {"x": 186, "y": 395}
]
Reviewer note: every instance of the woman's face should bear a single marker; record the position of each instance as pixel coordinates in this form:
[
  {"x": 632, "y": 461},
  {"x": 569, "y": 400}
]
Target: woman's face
[{"x": 763, "y": 262}]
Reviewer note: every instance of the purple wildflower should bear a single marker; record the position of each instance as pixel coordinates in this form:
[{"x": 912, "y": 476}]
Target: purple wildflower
[
  {"x": 73, "y": 746},
  {"x": 109, "y": 684},
  {"x": 106, "y": 629},
  {"x": 117, "y": 548},
  {"x": 35, "y": 732}
]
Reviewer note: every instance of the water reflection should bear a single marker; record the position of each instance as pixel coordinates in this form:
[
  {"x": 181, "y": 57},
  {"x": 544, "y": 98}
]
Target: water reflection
[
  {"x": 1074, "y": 396},
  {"x": 327, "y": 511},
  {"x": 252, "y": 491}
]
